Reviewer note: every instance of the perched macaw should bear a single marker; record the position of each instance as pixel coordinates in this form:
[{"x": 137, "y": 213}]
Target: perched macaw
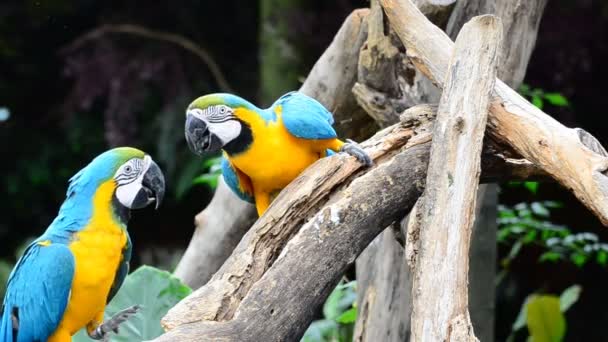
[
  {"x": 264, "y": 149},
  {"x": 66, "y": 276}
]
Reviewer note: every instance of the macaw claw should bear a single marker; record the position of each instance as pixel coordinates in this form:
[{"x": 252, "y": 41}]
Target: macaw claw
[
  {"x": 111, "y": 325},
  {"x": 356, "y": 151}
]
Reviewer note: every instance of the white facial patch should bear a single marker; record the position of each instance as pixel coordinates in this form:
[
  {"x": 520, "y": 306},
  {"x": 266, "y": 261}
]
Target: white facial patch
[
  {"x": 226, "y": 131},
  {"x": 129, "y": 178}
]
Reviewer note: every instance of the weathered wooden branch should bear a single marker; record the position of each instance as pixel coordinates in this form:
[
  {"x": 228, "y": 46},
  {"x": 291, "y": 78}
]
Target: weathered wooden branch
[
  {"x": 532, "y": 133},
  {"x": 446, "y": 209},
  {"x": 222, "y": 224},
  {"x": 278, "y": 276}
]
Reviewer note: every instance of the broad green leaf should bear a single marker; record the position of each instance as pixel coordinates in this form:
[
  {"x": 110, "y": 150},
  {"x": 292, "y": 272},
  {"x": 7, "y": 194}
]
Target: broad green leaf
[
  {"x": 212, "y": 164},
  {"x": 530, "y": 236},
  {"x": 545, "y": 321},
  {"x": 348, "y": 316},
  {"x": 156, "y": 291},
  {"x": 569, "y": 297},
  {"x": 556, "y": 99}
]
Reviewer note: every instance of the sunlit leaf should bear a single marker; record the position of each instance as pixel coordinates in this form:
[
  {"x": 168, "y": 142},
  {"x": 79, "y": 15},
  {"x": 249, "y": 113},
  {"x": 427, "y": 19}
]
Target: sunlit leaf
[
  {"x": 569, "y": 297},
  {"x": 579, "y": 259},
  {"x": 348, "y": 316},
  {"x": 556, "y": 99},
  {"x": 545, "y": 320},
  {"x": 550, "y": 256},
  {"x": 602, "y": 257}
]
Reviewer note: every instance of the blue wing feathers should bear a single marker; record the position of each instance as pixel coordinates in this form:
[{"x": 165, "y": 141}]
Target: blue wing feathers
[
  {"x": 39, "y": 289},
  {"x": 305, "y": 117},
  {"x": 232, "y": 180}
]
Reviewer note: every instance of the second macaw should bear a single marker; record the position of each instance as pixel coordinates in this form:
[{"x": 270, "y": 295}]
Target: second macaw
[
  {"x": 264, "y": 149},
  {"x": 65, "y": 277}
]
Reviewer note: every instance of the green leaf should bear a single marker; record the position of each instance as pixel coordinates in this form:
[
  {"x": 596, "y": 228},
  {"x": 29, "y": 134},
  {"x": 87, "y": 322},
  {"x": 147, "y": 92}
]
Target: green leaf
[
  {"x": 579, "y": 259},
  {"x": 208, "y": 179},
  {"x": 556, "y": 99},
  {"x": 340, "y": 300},
  {"x": 212, "y": 164},
  {"x": 545, "y": 321},
  {"x": 5, "y": 271},
  {"x": 156, "y": 291},
  {"x": 569, "y": 297},
  {"x": 524, "y": 89},
  {"x": 348, "y": 316},
  {"x": 532, "y": 187},
  {"x": 550, "y": 256},
  {"x": 539, "y": 209},
  {"x": 602, "y": 257},
  {"x": 537, "y": 101},
  {"x": 530, "y": 236},
  {"x": 553, "y": 204}
]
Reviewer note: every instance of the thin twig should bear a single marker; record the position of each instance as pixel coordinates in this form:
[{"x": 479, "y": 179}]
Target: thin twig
[{"x": 141, "y": 31}]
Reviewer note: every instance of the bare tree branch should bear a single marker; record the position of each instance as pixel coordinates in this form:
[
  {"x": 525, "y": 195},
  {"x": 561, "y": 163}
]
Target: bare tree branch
[
  {"x": 172, "y": 38},
  {"x": 532, "y": 133}
]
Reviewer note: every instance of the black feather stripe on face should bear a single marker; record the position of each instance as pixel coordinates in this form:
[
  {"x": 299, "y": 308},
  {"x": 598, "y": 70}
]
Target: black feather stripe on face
[{"x": 242, "y": 142}]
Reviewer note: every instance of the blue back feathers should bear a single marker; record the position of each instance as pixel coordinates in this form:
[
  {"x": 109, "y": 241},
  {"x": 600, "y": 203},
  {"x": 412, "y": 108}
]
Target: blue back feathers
[{"x": 305, "y": 117}]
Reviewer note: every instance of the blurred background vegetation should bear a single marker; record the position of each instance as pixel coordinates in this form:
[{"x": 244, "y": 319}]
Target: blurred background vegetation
[{"x": 80, "y": 76}]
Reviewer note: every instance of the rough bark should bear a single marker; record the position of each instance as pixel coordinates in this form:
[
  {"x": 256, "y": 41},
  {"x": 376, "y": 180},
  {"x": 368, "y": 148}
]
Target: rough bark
[
  {"x": 331, "y": 79},
  {"x": 513, "y": 120},
  {"x": 271, "y": 287},
  {"x": 383, "y": 291},
  {"x": 438, "y": 11},
  {"x": 440, "y": 282},
  {"x": 520, "y": 26},
  {"x": 520, "y": 18},
  {"x": 227, "y": 218}
]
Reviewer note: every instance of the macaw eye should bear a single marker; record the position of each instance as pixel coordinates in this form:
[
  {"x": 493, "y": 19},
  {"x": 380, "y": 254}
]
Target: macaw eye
[
  {"x": 128, "y": 169},
  {"x": 223, "y": 110}
]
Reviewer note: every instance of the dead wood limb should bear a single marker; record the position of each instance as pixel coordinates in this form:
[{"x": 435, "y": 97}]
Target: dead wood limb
[
  {"x": 271, "y": 286},
  {"x": 216, "y": 234},
  {"x": 535, "y": 135},
  {"x": 440, "y": 282},
  {"x": 227, "y": 218},
  {"x": 331, "y": 79}
]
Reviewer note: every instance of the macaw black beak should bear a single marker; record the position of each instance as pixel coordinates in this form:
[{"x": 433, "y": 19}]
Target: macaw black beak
[
  {"x": 153, "y": 185},
  {"x": 200, "y": 139}
]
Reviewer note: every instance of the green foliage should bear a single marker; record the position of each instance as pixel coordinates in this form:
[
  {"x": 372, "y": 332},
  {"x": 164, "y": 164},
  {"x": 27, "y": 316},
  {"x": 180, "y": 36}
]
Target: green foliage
[
  {"x": 212, "y": 170},
  {"x": 546, "y": 323},
  {"x": 340, "y": 314},
  {"x": 543, "y": 315},
  {"x": 156, "y": 291},
  {"x": 528, "y": 224},
  {"x": 539, "y": 96}
]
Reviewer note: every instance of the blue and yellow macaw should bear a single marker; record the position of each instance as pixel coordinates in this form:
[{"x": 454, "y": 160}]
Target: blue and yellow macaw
[
  {"x": 64, "y": 279},
  {"x": 264, "y": 149}
]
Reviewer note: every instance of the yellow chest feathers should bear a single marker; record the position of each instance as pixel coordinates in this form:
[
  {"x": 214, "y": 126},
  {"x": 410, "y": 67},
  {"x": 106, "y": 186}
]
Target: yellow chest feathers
[
  {"x": 97, "y": 253},
  {"x": 275, "y": 157}
]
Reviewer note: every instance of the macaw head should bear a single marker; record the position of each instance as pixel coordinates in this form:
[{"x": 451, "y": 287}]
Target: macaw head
[
  {"x": 134, "y": 178},
  {"x": 211, "y": 123}
]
